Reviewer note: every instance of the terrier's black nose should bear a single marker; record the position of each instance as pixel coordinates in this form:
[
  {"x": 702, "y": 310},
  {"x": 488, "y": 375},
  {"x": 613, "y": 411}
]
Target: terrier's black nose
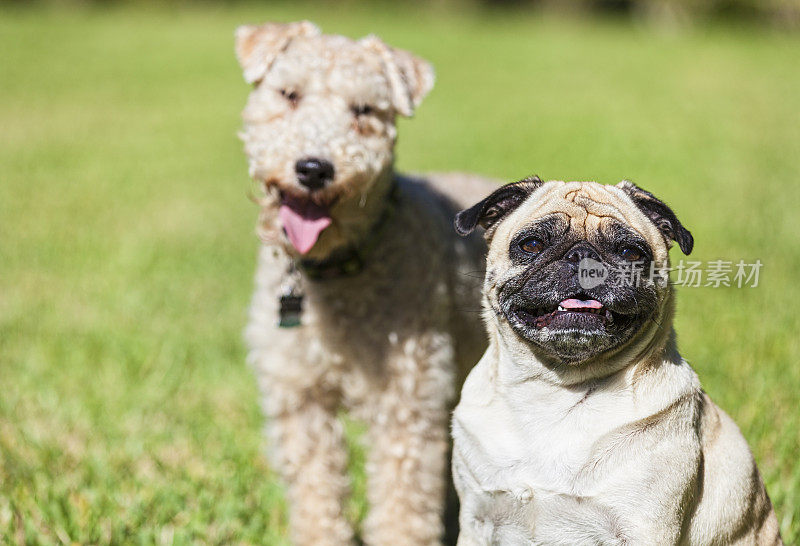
[{"x": 313, "y": 172}]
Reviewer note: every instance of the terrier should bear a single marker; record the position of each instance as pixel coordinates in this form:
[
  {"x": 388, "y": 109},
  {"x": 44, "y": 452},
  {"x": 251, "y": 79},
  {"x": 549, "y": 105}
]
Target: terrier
[{"x": 366, "y": 300}]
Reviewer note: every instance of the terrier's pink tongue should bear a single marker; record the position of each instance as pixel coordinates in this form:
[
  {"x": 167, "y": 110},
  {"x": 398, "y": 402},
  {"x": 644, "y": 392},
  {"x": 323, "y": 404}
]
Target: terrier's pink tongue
[
  {"x": 580, "y": 304},
  {"x": 303, "y": 222}
]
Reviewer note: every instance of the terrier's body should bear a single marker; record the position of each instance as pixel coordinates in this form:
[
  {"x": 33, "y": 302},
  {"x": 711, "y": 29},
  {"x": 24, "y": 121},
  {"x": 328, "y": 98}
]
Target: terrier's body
[
  {"x": 390, "y": 295},
  {"x": 582, "y": 424}
]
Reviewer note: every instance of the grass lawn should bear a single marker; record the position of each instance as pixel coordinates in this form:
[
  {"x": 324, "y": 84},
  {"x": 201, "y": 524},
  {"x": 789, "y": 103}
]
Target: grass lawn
[{"x": 127, "y": 414}]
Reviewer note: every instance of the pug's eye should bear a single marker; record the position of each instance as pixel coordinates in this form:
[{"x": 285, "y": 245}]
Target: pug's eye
[
  {"x": 362, "y": 109},
  {"x": 532, "y": 246},
  {"x": 632, "y": 254},
  {"x": 292, "y": 96}
]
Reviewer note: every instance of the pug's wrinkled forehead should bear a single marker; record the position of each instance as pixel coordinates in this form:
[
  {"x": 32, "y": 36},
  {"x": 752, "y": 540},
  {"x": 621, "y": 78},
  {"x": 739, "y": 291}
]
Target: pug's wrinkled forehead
[{"x": 585, "y": 209}]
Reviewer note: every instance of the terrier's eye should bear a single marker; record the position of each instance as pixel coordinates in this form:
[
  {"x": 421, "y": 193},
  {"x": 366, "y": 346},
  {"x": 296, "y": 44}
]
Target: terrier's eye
[
  {"x": 532, "y": 246},
  {"x": 632, "y": 254},
  {"x": 291, "y": 96},
  {"x": 362, "y": 109}
]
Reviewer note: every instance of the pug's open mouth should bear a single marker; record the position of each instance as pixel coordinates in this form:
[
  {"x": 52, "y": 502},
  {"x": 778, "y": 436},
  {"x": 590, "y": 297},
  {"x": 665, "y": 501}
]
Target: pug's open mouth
[{"x": 570, "y": 313}]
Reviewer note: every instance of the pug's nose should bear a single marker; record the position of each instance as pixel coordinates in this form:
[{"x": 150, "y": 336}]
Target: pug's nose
[
  {"x": 580, "y": 252},
  {"x": 314, "y": 173}
]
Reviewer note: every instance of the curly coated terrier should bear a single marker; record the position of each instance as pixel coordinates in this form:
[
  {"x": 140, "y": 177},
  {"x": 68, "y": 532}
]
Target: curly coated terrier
[{"x": 366, "y": 300}]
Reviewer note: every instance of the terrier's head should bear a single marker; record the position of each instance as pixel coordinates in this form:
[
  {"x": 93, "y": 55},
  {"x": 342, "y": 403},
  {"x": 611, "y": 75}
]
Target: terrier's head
[{"x": 319, "y": 129}]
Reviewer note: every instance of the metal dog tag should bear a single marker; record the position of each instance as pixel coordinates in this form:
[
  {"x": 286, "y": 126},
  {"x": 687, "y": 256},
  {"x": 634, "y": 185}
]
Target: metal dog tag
[{"x": 291, "y": 307}]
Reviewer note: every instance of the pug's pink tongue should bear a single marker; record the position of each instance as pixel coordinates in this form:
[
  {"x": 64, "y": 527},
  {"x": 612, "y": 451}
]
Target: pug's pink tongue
[
  {"x": 581, "y": 304},
  {"x": 303, "y": 222}
]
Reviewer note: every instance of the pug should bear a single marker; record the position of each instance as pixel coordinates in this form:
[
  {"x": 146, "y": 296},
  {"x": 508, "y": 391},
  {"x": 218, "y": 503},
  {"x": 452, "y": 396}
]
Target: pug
[{"x": 581, "y": 423}]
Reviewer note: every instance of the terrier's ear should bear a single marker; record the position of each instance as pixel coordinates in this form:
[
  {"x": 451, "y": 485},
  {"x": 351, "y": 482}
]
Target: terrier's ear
[
  {"x": 410, "y": 77},
  {"x": 660, "y": 214},
  {"x": 494, "y": 208},
  {"x": 257, "y": 46}
]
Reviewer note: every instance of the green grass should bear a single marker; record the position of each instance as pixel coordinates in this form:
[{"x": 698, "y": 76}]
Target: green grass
[{"x": 127, "y": 414}]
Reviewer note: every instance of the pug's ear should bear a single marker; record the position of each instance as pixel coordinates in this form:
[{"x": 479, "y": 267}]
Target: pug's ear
[
  {"x": 660, "y": 214},
  {"x": 410, "y": 77},
  {"x": 257, "y": 46},
  {"x": 494, "y": 208}
]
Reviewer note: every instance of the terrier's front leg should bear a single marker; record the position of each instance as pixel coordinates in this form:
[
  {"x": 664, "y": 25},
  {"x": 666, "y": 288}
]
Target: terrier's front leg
[
  {"x": 309, "y": 449},
  {"x": 406, "y": 477},
  {"x": 408, "y": 446}
]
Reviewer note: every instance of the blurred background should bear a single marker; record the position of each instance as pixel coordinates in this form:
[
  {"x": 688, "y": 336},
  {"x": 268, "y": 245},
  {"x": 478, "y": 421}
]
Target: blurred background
[{"x": 127, "y": 413}]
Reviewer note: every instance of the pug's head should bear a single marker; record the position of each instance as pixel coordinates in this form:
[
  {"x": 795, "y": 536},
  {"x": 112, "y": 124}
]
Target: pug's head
[{"x": 575, "y": 270}]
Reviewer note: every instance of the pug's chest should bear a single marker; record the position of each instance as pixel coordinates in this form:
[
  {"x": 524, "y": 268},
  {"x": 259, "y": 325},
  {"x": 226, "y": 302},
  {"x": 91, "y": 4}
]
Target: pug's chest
[
  {"x": 537, "y": 452},
  {"x": 516, "y": 475},
  {"x": 536, "y": 465}
]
